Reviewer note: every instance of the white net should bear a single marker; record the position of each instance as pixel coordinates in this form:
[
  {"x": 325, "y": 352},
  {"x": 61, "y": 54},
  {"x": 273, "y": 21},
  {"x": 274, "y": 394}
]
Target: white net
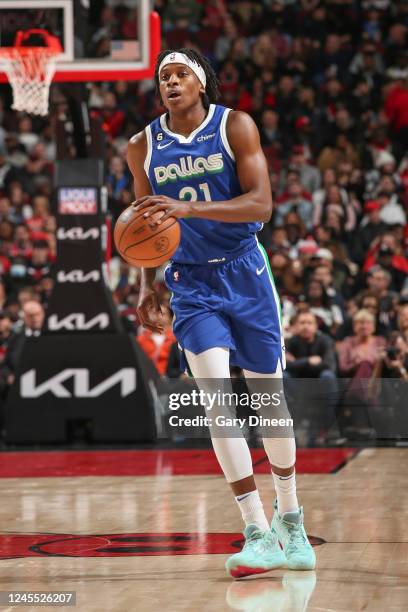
[{"x": 30, "y": 72}]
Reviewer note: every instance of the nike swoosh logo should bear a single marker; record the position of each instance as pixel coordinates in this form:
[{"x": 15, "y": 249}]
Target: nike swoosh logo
[
  {"x": 261, "y": 270},
  {"x": 163, "y": 146}
]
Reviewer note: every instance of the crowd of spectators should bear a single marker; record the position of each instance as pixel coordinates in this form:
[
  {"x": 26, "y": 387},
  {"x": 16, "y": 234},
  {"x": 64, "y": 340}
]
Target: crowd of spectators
[{"x": 327, "y": 84}]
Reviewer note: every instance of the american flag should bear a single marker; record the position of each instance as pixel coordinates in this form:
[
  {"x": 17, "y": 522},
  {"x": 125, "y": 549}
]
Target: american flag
[{"x": 125, "y": 50}]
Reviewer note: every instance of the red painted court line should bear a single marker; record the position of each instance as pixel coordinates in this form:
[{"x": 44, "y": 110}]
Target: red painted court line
[
  {"x": 185, "y": 462},
  {"x": 19, "y": 545}
]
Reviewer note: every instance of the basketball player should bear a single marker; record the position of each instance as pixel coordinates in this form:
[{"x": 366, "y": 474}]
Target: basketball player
[{"x": 203, "y": 164}]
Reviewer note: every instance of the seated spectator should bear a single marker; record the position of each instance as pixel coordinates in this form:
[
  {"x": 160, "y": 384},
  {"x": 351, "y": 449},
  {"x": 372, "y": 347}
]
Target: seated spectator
[
  {"x": 36, "y": 172},
  {"x": 388, "y": 385},
  {"x": 117, "y": 179},
  {"x": 112, "y": 118},
  {"x": 279, "y": 241},
  {"x": 19, "y": 201},
  {"x": 6, "y": 234},
  {"x": 328, "y": 315},
  {"x": 7, "y": 212},
  {"x": 39, "y": 264},
  {"x": 333, "y": 251},
  {"x": 295, "y": 231},
  {"x": 318, "y": 257},
  {"x": 183, "y": 14},
  {"x": 310, "y": 353},
  {"x": 329, "y": 179},
  {"x": 371, "y": 226},
  {"x": 45, "y": 287},
  {"x": 16, "y": 153},
  {"x": 393, "y": 360},
  {"x": 22, "y": 245},
  {"x": 335, "y": 201},
  {"x": 309, "y": 174},
  {"x": 156, "y": 345},
  {"x": 27, "y": 294},
  {"x": 292, "y": 176},
  {"x": 287, "y": 281},
  {"x": 269, "y": 129},
  {"x": 323, "y": 274},
  {"x": 295, "y": 203},
  {"x": 33, "y": 319},
  {"x": 332, "y": 155},
  {"x": 384, "y": 165},
  {"x": 358, "y": 353},
  {"x": 367, "y": 62},
  {"x": 379, "y": 281},
  {"x": 40, "y": 214},
  {"x": 387, "y": 252},
  {"x": 392, "y": 212},
  {"x": 343, "y": 129},
  {"x": 26, "y": 134},
  {"x": 369, "y": 300}
]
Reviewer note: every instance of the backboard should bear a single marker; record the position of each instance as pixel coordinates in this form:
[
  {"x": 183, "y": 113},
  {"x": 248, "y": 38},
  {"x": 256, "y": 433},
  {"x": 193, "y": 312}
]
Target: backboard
[{"x": 115, "y": 42}]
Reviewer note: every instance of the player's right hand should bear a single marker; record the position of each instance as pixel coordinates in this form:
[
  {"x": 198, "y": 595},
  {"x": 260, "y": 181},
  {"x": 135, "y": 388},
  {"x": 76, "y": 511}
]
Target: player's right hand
[{"x": 149, "y": 310}]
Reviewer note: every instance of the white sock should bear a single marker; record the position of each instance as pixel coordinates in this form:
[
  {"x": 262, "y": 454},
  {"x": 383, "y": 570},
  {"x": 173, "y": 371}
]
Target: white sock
[
  {"x": 233, "y": 454},
  {"x": 285, "y": 487},
  {"x": 252, "y": 510}
]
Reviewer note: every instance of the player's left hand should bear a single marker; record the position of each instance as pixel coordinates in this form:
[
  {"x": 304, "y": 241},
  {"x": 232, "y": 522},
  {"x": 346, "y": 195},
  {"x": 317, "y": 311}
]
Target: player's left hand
[{"x": 155, "y": 203}]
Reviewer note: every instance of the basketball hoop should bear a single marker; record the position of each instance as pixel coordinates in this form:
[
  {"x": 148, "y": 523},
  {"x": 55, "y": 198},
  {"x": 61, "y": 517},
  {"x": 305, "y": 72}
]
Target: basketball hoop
[{"x": 30, "y": 71}]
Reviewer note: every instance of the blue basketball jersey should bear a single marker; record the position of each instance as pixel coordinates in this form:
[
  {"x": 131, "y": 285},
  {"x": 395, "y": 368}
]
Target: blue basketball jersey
[{"x": 199, "y": 167}]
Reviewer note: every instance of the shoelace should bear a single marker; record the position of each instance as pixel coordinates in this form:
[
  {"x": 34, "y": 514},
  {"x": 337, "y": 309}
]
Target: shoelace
[
  {"x": 258, "y": 538},
  {"x": 271, "y": 541},
  {"x": 296, "y": 536},
  {"x": 255, "y": 536},
  {"x": 266, "y": 540}
]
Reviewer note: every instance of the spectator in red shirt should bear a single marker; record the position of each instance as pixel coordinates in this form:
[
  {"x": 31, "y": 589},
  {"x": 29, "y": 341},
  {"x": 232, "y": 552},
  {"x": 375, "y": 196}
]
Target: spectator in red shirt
[
  {"x": 112, "y": 118},
  {"x": 396, "y": 106},
  {"x": 22, "y": 245},
  {"x": 396, "y": 109},
  {"x": 41, "y": 213},
  {"x": 387, "y": 252}
]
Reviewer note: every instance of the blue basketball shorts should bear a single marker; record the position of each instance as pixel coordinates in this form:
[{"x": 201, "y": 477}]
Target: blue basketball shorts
[{"x": 233, "y": 305}]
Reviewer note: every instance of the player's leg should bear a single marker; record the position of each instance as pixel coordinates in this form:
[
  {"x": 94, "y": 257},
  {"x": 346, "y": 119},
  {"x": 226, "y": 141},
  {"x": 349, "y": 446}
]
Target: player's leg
[
  {"x": 288, "y": 519},
  {"x": 281, "y": 452},
  {"x": 232, "y": 453},
  {"x": 253, "y": 304},
  {"x": 206, "y": 339},
  {"x": 261, "y": 552}
]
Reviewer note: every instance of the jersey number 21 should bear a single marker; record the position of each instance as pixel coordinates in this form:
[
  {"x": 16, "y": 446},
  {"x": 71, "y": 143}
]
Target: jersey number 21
[{"x": 189, "y": 193}]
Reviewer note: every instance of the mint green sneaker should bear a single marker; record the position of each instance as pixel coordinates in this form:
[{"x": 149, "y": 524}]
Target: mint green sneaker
[
  {"x": 292, "y": 537},
  {"x": 261, "y": 553}
]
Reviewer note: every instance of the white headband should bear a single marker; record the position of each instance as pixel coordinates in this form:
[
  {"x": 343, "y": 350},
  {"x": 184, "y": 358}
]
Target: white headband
[{"x": 181, "y": 58}]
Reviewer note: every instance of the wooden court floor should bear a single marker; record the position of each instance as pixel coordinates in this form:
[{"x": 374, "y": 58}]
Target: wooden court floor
[{"x": 158, "y": 542}]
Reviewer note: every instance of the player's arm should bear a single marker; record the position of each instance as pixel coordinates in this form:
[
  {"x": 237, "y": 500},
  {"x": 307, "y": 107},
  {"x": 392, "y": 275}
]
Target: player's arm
[
  {"x": 255, "y": 203},
  {"x": 148, "y": 298}
]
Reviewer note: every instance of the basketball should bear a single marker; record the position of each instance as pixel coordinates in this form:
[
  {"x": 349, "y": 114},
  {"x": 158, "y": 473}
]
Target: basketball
[{"x": 141, "y": 242}]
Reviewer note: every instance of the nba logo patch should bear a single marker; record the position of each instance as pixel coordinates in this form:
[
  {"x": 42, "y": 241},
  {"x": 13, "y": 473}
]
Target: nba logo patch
[{"x": 176, "y": 276}]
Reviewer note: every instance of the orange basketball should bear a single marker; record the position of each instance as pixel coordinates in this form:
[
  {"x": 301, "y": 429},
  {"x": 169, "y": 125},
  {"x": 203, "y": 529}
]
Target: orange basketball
[{"x": 142, "y": 243}]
